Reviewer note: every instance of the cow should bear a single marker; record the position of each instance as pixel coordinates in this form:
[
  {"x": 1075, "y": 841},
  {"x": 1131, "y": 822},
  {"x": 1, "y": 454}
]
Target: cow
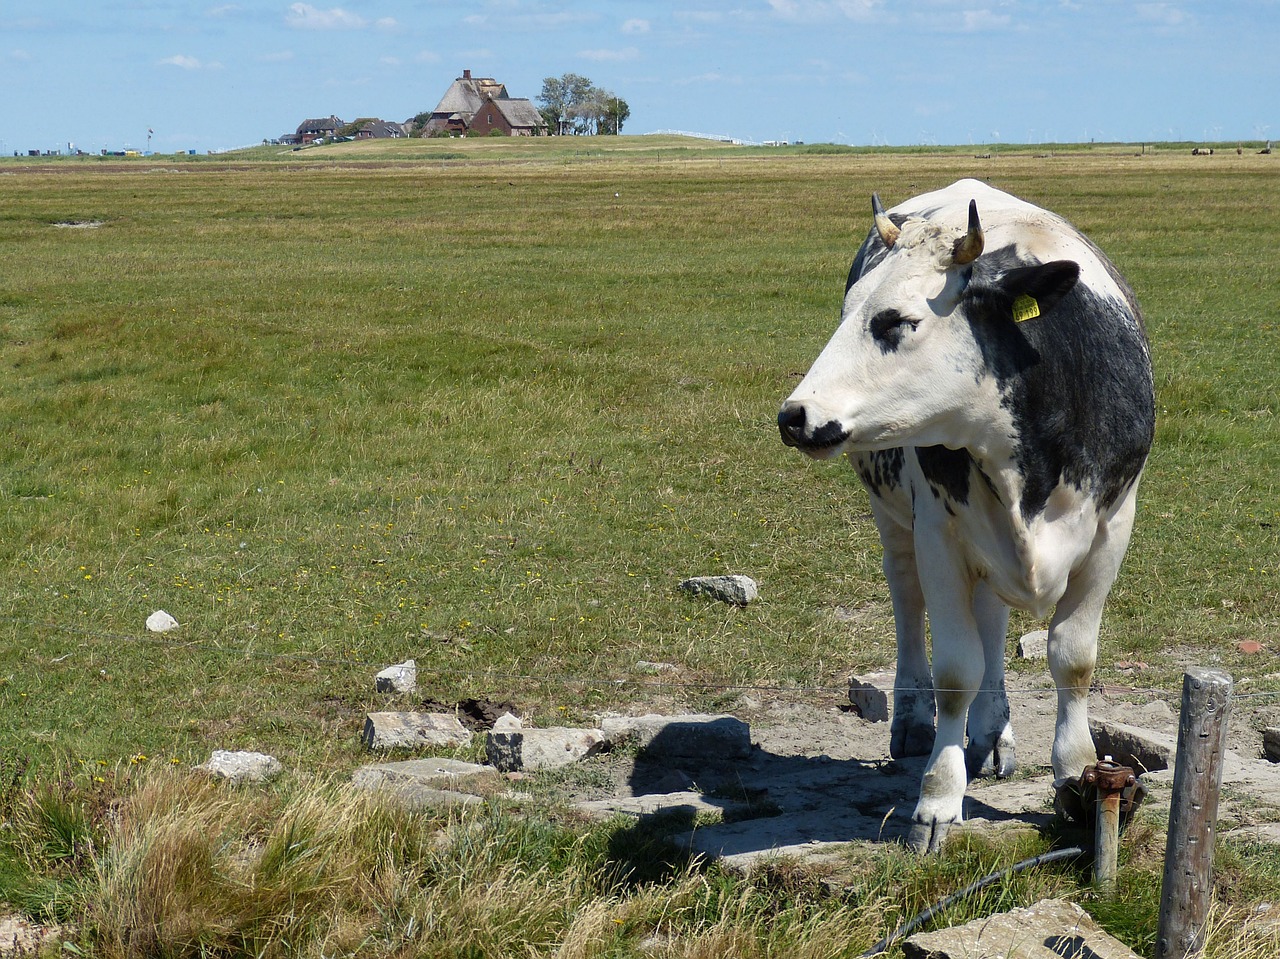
[{"x": 991, "y": 383}]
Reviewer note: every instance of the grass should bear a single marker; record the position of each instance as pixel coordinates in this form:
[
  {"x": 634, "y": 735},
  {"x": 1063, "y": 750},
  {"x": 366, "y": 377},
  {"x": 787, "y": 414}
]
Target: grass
[{"x": 485, "y": 403}]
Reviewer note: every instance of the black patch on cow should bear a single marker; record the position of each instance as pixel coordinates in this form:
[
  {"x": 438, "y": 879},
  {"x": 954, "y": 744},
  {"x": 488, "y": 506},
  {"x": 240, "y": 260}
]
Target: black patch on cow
[
  {"x": 887, "y": 328},
  {"x": 881, "y": 470},
  {"x": 947, "y": 470},
  {"x": 1076, "y": 380}
]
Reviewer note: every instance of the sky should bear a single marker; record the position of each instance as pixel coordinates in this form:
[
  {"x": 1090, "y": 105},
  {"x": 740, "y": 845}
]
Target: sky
[{"x": 176, "y": 75}]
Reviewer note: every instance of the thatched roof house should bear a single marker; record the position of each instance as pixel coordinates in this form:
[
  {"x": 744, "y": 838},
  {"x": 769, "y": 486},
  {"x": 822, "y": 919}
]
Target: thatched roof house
[{"x": 467, "y": 96}]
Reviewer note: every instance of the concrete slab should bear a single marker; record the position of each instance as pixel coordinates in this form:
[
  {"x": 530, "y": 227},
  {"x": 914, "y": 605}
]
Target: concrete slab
[{"x": 1051, "y": 929}]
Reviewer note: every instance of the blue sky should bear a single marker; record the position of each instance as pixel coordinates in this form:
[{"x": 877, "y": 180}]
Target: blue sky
[{"x": 221, "y": 74}]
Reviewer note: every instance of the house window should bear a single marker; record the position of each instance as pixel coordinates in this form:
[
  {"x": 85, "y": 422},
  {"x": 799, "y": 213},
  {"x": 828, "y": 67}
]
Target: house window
[{"x": 490, "y": 119}]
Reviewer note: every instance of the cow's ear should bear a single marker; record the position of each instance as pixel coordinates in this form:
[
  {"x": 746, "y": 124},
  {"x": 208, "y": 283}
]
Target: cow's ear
[{"x": 1037, "y": 289}]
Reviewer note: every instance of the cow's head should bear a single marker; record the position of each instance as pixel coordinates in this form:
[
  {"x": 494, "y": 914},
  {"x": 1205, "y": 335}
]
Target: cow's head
[{"x": 924, "y": 336}]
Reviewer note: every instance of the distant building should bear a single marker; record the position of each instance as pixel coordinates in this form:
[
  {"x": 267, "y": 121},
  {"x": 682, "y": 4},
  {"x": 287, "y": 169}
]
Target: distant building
[
  {"x": 311, "y": 130},
  {"x": 380, "y": 130},
  {"x": 482, "y": 105}
]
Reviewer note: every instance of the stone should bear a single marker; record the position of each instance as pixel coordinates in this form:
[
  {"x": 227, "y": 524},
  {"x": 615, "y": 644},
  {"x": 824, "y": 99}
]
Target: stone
[
  {"x": 1050, "y": 929},
  {"x": 420, "y": 783},
  {"x": 427, "y": 772},
  {"x": 1143, "y": 749},
  {"x": 686, "y": 803},
  {"x": 400, "y": 678},
  {"x": 1271, "y": 743},
  {"x": 413, "y": 730},
  {"x": 161, "y": 622},
  {"x": 242, "y": 767},
  {"x": 868, "y": 700},
  {"x": 687, "y": 736},
  {"x": 1034, "y": 645},
  {"x": 527, "y": 749},
  {"x": 737, "y": 590}
]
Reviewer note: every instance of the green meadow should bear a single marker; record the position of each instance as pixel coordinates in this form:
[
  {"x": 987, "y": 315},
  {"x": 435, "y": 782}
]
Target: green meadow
[{"x": 484, "y": 404}]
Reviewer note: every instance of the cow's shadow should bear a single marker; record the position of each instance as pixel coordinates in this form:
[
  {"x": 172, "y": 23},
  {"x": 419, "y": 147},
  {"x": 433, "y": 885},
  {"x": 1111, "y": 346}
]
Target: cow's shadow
[{"x": 765, "y": 805}]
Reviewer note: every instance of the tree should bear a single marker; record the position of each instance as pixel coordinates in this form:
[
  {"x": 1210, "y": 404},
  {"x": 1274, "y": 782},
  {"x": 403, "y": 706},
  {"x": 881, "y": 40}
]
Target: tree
[{"x": 573, "y": 104}]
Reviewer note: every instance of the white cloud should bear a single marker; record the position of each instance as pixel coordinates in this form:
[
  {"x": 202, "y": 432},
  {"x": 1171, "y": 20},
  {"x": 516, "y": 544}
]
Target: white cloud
[
  {"x": 1163, "y": 14},
  {"x": 427, "y": 56},
  {"x": 22, "y": 56},
  {"x": 978, "y": 21},
  {"x": 280, "y": 56},
  {"x": 636, "y": 26},
  {"x": 389, "y": 61},
  {"x": 183, "y": 61},
  {"x": 225, "y": 10},
  {"x": 610, "y": 56},
  {"x": 386, "y": 23},
  {"x": 306, "y": 17},
  {"x": 811, "y": 10}
]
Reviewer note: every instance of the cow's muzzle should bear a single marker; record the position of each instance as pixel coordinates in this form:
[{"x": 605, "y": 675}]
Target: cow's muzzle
[{"x": 797, "y": 431}]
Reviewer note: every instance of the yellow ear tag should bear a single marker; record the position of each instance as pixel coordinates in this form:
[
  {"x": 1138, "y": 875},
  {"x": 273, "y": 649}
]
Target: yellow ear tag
[{"x": 1025, "y": 308}]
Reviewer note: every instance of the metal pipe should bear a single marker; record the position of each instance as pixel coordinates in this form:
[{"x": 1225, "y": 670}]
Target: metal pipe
[{"x": 1110, "y": 779}]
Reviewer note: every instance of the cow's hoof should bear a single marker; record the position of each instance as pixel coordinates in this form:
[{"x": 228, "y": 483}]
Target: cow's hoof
[
  {"x": 910, "y": 739},
  {"x": 927, "y": 837},
  {"x": 998, "y": 761}
]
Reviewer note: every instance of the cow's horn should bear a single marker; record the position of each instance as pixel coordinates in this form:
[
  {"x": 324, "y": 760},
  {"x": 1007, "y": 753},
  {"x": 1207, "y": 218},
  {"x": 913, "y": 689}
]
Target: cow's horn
[
  {"x": 969, "y": 247},
  {"x": 884, "y": 226}
]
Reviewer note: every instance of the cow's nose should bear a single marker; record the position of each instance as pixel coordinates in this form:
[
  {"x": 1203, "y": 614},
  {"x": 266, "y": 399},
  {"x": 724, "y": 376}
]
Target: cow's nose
[{"x": 791, "y": 423}]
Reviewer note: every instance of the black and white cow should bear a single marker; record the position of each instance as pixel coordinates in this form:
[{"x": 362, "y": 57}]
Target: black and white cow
[{"x": 990, "y": 381}]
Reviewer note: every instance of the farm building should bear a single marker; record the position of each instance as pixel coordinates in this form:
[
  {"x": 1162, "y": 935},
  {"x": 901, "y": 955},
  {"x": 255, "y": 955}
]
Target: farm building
[{"x": 482, "y": 105}]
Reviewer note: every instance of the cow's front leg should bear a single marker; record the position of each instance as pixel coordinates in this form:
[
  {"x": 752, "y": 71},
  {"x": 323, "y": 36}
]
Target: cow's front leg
[
  {"x": 957, "y": 672},
  {"x": 911, "y": 731},
  {"x": 990, "y": 751},
  {"x": 958, "y": 668}
]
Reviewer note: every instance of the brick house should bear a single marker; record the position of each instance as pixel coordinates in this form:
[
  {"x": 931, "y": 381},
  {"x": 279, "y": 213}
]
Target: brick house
[{"x": 513, "y": 116}]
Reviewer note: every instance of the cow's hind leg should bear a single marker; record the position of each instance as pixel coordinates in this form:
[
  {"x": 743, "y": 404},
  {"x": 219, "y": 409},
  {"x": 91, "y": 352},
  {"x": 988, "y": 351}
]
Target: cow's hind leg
[
  {"x": 911, "y": 732},
  {"x": 990, "y": 750},
  {"x": 1073, "y": 641}
]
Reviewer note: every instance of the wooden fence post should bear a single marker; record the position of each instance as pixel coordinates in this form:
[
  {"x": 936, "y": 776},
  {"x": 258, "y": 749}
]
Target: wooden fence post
[{"x": 1197, "y": 780}]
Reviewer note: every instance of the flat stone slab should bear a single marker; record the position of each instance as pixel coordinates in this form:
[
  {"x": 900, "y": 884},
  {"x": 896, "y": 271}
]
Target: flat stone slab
[
  {"x": 425, "y": 772},
  {"x": 1051, "y": 929},
  {"x": 418, "y": 783},
  {"x": 413, "y": 730},
  {"x": 685, "y": 803},
  {"x": 687, "y": 736},
  {"x": 1142, "y": 749}
]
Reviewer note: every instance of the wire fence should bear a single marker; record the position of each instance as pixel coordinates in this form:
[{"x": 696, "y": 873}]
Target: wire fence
[{"x": 220, "y": 647}]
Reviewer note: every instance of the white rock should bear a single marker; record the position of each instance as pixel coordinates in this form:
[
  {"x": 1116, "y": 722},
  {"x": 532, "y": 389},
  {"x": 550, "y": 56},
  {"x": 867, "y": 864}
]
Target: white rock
[
  {"x": 528, "y": 749},
  {"x": 507, "y": 722},
  {"x": 161, "y": 622},
  {"x": 400, "y": 678},
  {"x": 242, "y": 767},
  {"x": 1034, "y": 645},
  {"x": 738, "y": 590}
]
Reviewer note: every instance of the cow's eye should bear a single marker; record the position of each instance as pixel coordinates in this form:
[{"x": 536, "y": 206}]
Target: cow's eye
[{"x": 888, "y": 327}]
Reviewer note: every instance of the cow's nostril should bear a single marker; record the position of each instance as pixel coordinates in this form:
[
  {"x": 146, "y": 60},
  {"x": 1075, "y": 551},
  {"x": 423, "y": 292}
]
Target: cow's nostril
[{"x": 791, "y": 422}]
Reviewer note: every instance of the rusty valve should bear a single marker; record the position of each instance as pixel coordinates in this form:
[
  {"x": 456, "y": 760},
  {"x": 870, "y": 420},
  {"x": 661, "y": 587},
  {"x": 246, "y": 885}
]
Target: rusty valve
[{"x": 1110, "y": 779}]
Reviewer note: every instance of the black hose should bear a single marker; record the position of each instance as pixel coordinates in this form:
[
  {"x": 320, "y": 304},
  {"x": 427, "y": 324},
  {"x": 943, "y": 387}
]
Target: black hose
[{"x": 932, "y": 911}]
